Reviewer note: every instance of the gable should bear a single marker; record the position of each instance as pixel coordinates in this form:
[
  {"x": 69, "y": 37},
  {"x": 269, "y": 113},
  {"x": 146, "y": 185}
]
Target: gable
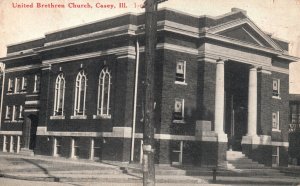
[
  {"x": 246, "y": 31},
  {"x": 245, "y": 34}
]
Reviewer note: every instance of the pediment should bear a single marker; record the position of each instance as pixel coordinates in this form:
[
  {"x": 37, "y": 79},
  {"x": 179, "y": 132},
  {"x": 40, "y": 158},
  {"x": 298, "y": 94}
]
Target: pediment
[{"x": 245, "y": 31}]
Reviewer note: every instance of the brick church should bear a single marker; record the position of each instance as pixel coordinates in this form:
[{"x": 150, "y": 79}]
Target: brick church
[{"x": 221, "y": 83}]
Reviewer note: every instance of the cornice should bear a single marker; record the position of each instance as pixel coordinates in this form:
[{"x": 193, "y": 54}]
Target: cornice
[
  {"x": 23, "y": 68},
  {"x": 126, "y": 28},
  {"x": 120, "y": 51},
  {"x": 20, "y": 56}
]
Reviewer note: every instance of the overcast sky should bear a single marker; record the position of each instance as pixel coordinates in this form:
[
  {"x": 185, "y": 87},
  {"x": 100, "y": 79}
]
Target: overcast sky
[{"x": 279, "y": 17}]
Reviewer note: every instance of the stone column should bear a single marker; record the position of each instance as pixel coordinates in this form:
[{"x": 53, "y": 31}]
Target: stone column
[
  {"x": 219, "y": 99},
  {"x": 252, "y": 102}
]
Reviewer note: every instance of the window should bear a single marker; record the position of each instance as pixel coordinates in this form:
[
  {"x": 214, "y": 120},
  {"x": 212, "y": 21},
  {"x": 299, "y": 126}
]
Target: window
[
  {"x": 17, "y": 85},
  {"x": 276, "y": 88},
  {"x": 15, "y": 113},
  {"x": 8, "y": 112},
  {"x": 275, "y": 121},
  {"x": 24, "y": 84},
  {"x": 59, "y": 95},
  {"x": 103, "y": 105},
  {"x": 275, "y": 156},
  {"x": 96, "y": 148},
  {"x": 179, "y": 109},
  {"x": 36, "y": 87},
  {"x": 57, "y": 146},
  {"x": 80, "y": 94},
  {"x": 177, "y": 154},
  {"x": 21, "y": 112},
  {"x": 10, "y": 85},
  {"x": 180, "y": 71},
  {"x": 75, "y": 148}
]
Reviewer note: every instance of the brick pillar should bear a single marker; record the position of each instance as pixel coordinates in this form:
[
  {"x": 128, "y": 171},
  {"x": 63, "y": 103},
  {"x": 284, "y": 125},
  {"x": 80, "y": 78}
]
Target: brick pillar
[
  {"x": 124, "y": 90},
  {"x": 44, "y": 97}
]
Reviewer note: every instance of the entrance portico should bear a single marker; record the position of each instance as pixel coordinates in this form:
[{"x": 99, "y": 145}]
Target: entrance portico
[{"x": 220, "y": 101}]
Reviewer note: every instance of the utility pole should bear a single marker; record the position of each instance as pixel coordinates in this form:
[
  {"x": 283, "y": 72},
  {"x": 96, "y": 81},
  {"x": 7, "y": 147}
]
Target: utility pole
[{"x": 150, "y": 45}]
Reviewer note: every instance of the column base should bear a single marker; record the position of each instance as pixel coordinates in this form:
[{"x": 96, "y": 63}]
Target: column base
[{"x": 222, "y": 137}]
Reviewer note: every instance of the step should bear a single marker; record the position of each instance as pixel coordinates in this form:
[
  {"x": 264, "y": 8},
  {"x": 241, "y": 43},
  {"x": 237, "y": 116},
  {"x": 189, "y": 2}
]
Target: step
[
  {"x": 244, "y": 160},
  {"x": 248, "y": 166}
]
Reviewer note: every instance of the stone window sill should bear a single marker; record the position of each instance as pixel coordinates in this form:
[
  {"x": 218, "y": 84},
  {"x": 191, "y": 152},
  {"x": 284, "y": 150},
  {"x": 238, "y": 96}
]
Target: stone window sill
[
  {"x": 101, "y": 116},
  {"x": 14, "y": 121},
  {"x": 179, "y": 121},
  {"x": 276, "y": 97},
  {"x": 276, "y": 130},
  {"x": 57, "y": 117},
  {"x": 15, "y": 93},
  {"x": 79, "y": 117},
  {"x": 180, "y": 83}
]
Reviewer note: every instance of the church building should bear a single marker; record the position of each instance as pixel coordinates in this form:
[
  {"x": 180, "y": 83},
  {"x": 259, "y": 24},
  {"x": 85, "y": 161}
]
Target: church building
[{"x": 221, "y": 83}]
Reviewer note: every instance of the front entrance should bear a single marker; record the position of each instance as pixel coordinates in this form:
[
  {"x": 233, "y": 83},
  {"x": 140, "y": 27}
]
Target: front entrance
[
  {"x": 236, "y": 103},
  {"x": 29, "y": 132}
]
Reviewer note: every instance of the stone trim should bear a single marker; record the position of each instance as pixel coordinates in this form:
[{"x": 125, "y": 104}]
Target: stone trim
[
  {"x": 11, "y": 132},
  {"x": 125, "y": 132}
]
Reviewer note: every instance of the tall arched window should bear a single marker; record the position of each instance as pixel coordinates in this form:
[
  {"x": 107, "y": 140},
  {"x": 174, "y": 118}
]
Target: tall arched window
[
  {"x": 59, "y": 95},
  {"x": 80, "y": 93},
  {"x": 103, "y": 105}
]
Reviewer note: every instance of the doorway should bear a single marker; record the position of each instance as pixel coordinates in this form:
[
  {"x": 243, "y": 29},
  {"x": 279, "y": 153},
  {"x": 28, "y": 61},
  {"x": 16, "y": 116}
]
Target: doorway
[
  {"x": 29, "y": 132},
  {"x": 236, "y": 103}
]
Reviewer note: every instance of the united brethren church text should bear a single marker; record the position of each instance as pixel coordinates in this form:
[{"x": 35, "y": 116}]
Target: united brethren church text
[{"x": 69, "y": 5}]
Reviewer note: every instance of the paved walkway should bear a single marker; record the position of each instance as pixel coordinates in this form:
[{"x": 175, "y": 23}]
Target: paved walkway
[{"x": 84, "y": 172}]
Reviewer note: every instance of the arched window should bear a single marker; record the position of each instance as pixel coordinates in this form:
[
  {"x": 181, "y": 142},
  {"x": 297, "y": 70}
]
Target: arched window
[
  {"x": 103, "y": 105},
  {"x": 80, "y": 93},
  {"x": 59, "y": 95}
]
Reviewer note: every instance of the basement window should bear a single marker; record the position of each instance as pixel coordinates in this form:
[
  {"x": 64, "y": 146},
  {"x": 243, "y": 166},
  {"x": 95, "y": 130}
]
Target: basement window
[
  {"x": 275, "y": 156},
  {"x": 57, "y": 146},
  {"x": 177, "y": 153}
]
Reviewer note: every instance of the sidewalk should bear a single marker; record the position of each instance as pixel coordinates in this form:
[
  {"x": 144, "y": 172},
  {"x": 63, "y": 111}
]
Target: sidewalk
[
  {"x": 50, "y": 169},
  {"x": 85, "y": 172}
]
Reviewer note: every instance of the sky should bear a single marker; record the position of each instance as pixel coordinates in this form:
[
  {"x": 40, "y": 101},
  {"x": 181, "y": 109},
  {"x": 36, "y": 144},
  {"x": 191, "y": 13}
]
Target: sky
[{"x": 278, "y": 17}]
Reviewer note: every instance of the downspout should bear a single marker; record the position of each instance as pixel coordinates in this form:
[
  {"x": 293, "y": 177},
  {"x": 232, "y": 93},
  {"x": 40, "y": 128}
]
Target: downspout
[
  {"x": 2, "y": 69},
  {"x": 137, "y": 58}
]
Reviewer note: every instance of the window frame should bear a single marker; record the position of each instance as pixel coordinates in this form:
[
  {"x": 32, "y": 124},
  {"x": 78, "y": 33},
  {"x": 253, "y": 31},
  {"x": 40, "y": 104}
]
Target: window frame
[
  {"x": 77, "y": 113},
  {"x": 277, "y": 155},
  {"x": 21, "y": 112},
  {"x": 276, "y": 95},
  {"x": 10, "y": 86},
  {"x": 184, "y": 73},
  {"x": 277, "y": 128},
  {"x": 181, "y": 120},
  {"x": 8, "y": 113},
  {"x": 37, "y": 82},
  {"x": 24, "y": 84},
  {"x": 18, "y": 85},
  {"x": 105, "y": 73},
  {"x": 57, "y": 95}
]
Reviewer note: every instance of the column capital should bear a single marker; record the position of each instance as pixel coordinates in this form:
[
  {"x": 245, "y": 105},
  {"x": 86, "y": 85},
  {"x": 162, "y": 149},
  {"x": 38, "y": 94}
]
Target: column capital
[
  {"x": 220, "y": 60},
  {"x": 254, "y": 67}
]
